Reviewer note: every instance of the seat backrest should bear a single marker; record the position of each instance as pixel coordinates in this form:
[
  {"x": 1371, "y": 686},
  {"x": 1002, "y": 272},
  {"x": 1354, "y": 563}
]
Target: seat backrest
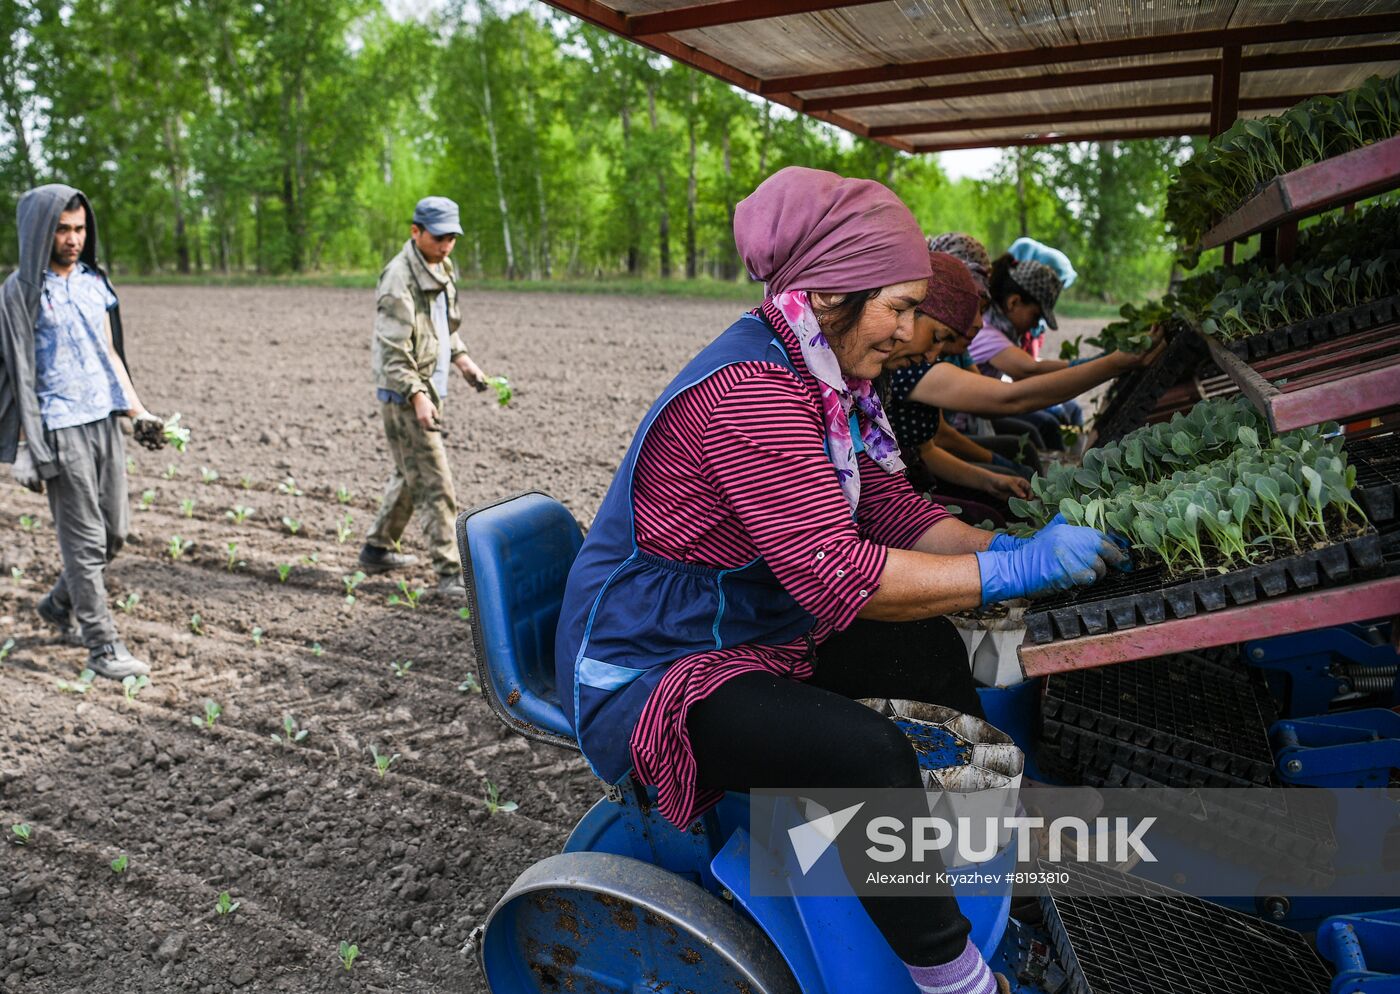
[{"x": 517, "y": 553}]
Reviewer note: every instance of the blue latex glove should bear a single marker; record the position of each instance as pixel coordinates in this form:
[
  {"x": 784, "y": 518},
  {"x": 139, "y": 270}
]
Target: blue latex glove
[
  {"x": 1002, "y": 542},
  {"x": 1124, "y": 565},
  {"x": 1060, "y": 556}
]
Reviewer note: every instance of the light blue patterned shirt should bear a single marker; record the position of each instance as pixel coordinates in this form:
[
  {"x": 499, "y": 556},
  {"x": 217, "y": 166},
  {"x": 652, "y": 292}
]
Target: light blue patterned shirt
[{"x": 77, "y": 383}]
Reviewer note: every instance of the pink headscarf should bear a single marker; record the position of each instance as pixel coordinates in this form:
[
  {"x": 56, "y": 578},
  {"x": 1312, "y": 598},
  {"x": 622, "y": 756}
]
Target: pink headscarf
[{"x": 809, "y": 229}]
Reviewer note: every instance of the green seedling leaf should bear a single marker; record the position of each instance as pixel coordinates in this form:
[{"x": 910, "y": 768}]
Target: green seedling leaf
[
  {"x": 407, "y": 596},
  {"x": 401, "y": 669},
  {"x": 177, "y": 546},
  {"x": 171, "y": 471},
  {"x": 470, "y": 685},
  {"x": 343, "y": 495},
  {"x": 289, "y": 487},
  {"x": 187, "y": 507},
  {"x": 130, "y": 464},
  {"x": 239, "y": 514},
  {"x": 293, "y": 525},
  {"x": 26, "y": 522},
  {"x": 176, "y": 437},
  {"x": 345, "y": 529},
  {"x": 6, "y": 649},
  {"x": 207, "y": 475},
  {"x": 351, "y": 582},
  {"x": 284, "y": 570},
  {"x": 464, "y": 613},
  {"x": 233, "y": 561},
  {"x": 21, "y": 833},
  {"x": 119, "y": 864},
  {"x": 226, "y": 905},
  {"x": 348, "y": 954},
  {"x": 209, "y": 717},
  {"x": 148, "y": 498},
  {"x": 494, "y": 802},
  {"x": 382, "y": 762},
  {"x": 197, "y": 624},
  {"x": 311, "y": 560},
  {"x": 246, "y": 482},
  {"x": 257, "y": 636},
  {"x": 79, "y": 686},
  {"x": 291, "y": 734},
  {"x": 502, "y": 386},
  {"x": 133, "y": 685},
  {"x": 316, "y": 650},
  {"x": 16, "y": 575}
]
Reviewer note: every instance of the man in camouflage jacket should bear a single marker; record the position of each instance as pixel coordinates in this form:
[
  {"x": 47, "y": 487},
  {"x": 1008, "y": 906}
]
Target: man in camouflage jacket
[{"x": 415, "y": 340}]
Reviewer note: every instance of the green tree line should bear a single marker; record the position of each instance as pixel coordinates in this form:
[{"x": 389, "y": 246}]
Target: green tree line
[{"x": 291, "y": 136}]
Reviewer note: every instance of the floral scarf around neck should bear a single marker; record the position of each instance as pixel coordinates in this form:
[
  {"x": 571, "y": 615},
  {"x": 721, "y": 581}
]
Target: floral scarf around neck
[{"x": 845, "y": 400}]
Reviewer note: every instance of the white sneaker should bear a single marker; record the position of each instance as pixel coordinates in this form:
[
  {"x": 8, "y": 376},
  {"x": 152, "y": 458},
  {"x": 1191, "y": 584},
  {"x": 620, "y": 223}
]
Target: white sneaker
[{"x": 115, "y": 662}]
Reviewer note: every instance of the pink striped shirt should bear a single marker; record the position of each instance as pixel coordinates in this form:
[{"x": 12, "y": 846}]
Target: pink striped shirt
[{"x": 735, "y": 469}]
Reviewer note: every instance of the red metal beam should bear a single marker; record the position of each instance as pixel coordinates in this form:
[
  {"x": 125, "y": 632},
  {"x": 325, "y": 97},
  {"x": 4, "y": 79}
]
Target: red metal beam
[
  {"x": 1127, "y": 134},
  {"x": 605, "y": 17},
  {"x": 1102, "y": 77},
  {"x": 709, "y": 15},
  {"x": 1265, "y": 619},
  {"x": 1077, "y": 116},
  {"x": 1264, "y": 34}
]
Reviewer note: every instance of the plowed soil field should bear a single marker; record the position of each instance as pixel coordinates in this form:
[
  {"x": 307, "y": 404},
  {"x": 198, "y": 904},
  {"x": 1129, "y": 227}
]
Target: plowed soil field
[{"x": 311, "y": 842}]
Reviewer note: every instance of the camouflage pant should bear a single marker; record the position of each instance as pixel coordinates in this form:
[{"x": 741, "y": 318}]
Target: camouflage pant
[{"x": 421, "y": 479}]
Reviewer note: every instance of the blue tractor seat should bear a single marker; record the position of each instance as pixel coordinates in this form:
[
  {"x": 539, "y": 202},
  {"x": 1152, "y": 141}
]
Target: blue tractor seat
[{"x": 516, "y": 553}]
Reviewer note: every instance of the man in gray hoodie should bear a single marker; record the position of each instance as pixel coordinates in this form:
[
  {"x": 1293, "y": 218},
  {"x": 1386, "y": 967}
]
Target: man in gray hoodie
[{"x": 63, "y": 384}]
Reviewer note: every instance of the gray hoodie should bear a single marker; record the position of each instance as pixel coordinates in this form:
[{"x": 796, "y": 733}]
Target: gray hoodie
[{"x": 37, "y": 217}]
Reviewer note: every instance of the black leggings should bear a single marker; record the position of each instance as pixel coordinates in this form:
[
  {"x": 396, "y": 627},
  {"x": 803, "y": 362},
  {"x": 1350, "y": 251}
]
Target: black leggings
[{"x": 763, "y": 730}]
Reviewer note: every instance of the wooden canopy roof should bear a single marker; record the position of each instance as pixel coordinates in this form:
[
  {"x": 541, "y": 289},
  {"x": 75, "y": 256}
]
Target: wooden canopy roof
[{"x": 934, "y": 75}]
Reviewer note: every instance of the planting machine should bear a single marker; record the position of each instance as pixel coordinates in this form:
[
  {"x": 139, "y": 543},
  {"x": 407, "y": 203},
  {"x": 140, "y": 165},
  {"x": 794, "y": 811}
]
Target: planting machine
[{"x": 632, "y": 904}]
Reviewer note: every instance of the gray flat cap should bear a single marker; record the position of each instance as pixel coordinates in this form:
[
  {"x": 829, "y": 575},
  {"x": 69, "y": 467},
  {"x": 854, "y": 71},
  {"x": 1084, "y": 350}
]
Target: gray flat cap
[{"x": 438, "y": 215}]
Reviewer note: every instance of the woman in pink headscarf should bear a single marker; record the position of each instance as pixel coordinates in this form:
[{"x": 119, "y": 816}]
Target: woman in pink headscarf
[{"x": 760, "y": 562}]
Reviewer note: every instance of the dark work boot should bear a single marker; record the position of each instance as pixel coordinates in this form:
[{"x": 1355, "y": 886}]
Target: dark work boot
[
  {"x": 373, "y": 559},
  {"x": 60, "y": 621}
]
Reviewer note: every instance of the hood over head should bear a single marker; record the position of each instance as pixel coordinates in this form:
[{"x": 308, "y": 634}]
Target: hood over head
[{"x": 37, "y": 220}]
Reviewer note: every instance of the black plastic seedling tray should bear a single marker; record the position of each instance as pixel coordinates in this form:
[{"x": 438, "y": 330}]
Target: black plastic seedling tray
[
  {"x": 1145, "y": 596},
  {"x": 1125, "y": 935},
  {"x": 1137, "y": 393},
  {"x": 1183, "y": 720},
  {"x": 1377, "y": 462},
  {"x": 1323, "y": 328}
]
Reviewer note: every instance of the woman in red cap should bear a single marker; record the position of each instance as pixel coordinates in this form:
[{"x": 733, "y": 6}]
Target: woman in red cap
[{"x": 760, "y": 562}]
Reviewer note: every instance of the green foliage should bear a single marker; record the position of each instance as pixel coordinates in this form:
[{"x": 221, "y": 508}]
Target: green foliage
[
  {"x": 129, "y": 602},
  {"x": 352, "y": 582},
  {"x": 382, "y": 761},
  {"x": 502, "y": 386},
  {"x": 171, "y": 471},
  {"x": 208, "y": 475},
  {"x": 258, "y": 635},
  {"x": 401, "y": 668},
  {"x": 470, "y": 685},
  {"x": 494, "y": 802},
  {"x": 345, "y": 529},
  {"x": 289, "y": 487},
  {"x": 26, "y": 522},
  {"x": 291, "y": 734},
  {"x": 292, "y": 524},
  {"x": 16, "y": 575},
  {"x": 1233, "y": 165},
  {"x": 1208, "y": 490},
  {"x": 408, "y": 596},
  {"x": 133, "y": 685},
  {"x": 177, "y": 546},
  {"x": 21, "y": 833},
  {"x": 197, "y": 623},
  {"x": 239, "y": 514},
  {"x": 317, "y": 650},
  {"x": 225, "y": 905},
  {"x": 348, "y": 953},
  {"x": 343, "y": 495},
  {"x": 284, "y": 570},
  {"x": 1134, "y": 332},
  {"x": 176, "y": 436},
  {"x": 79, "y": 686},
  {"x": 120, "y": 864},
  {"x": 6, "y": 649},
  {"x": 148, "y": 498},
  {"x": 211, "y": 714},
  {"x": 187, "y": 507}
]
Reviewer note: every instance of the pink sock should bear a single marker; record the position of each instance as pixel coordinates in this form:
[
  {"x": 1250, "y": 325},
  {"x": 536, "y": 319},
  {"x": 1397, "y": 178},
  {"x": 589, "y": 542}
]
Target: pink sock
[{"x": 968, "y": 974}]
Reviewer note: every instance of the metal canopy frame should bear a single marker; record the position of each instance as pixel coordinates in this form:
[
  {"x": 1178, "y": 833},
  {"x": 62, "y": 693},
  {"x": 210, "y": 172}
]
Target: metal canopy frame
[{"x": 1076, "y": 102}]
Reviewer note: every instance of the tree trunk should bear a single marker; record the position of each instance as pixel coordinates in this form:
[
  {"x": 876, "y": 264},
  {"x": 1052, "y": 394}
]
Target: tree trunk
[
  {"x": 529, "y": 92},
  {"x": 690, "y": 189},
  {"x": 729, "y": 264},
  {"x": 14, "y": 116},
  {"x": 177, "y": 198},
  {"x": 1021, "y": 191},
  {"x": 663, "y": 226},
  {"x": 634, "y": 252},
  {"x": 765, "y": 133},
  {"x": 511, "y": 271}
]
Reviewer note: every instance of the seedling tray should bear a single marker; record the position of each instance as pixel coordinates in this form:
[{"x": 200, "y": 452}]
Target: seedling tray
[
  {"x": 1322, "y": 328},
  {"x": 1138, "y": 393},
  {"x": 1377, "y": 462},
  {"x": 1145, "y": 596},
  {"x": 1126, "y": 935},
  {"x": 1182, "y": 720}
]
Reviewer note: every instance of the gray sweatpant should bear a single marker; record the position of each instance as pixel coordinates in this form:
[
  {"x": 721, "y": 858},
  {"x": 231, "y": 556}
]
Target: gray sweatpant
[{"x": 91, "y": 514}]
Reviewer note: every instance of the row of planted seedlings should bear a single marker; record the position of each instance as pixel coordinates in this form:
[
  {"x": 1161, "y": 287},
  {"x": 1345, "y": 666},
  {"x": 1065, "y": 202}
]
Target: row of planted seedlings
[
  {"x": 1347, "y": 278},
  {"x": 1208, "y": 491}
]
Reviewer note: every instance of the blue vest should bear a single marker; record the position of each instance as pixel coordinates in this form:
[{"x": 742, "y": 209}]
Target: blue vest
[{"x": 628, "y": 615}]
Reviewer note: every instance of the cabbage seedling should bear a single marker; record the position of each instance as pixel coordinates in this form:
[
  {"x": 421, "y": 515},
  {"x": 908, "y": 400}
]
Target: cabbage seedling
[
  {"x": 133, "y": 685},
  {"x": 284, "y": 570},
  {"x": 210, "y": 715},
  {"x": 501, "y": 385},
  {"x": 129, "y": 602},
  {"x": 293, "y": 525},
  {"x": 16, "y": 575},
  {"x": 344, "y": 530},
  {"x": 175, "y": 435},
  {"x": 187, "y": 507},
  {"x": 177, "y": 546},
  {"x": 401, "y": 669},
  {"x": 293, "y": 734},
  {"x": 79, "y": 686},
  {"x": 494, "y": 802},
  {"x": 239, "y": 514},
  {"x": 257, "y": 636},
  {"x": 470, "y": 685},
  {"x": 351, "y": 581},
  {"x": 343, "y": 495},
  {"x": 465, "y": 613},
  {"x": 196, "y": 624},
  {"x": 289, "y": 487},
  {"x": 348, "y": 953},
  {"x": 246, "y": 482},
  {"x": 148, "y": 497},
  {"x": 226, "y": 905},
  {"x": 119, "y": 864},
  {"x": 233, "y": 561},
  {"x": 171, "y": 471},
  {"x": 22, "y": 833},
  {"x": 382, "y": 762},
  {"x": 312, "y": 559},
  {"x": 6, "y": 649},
  {"x": 130, "y": 464},
  {"x": 409, "y": 597},
  {"x": 316, "y": 650},
  {"x": 208, "y": 475},
  {"x": 26, "y": 523}
]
